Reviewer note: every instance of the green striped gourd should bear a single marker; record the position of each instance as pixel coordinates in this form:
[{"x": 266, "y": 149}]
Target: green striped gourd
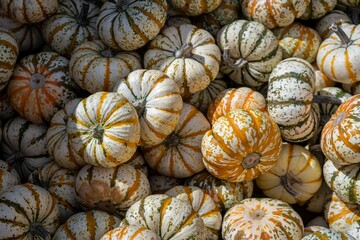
[
  {"x": 130, "y": 233},
  {"x": 262, "y": 218},
  {"x": 194, "y": 7},
  {"x": 112, "y": 190},
  {"x": 106, "y": 135},
  {"x": 91, "y": 225},
  {"x": 326, "y": 234},
  {"x": 129, "y": 25},
  {"x": 179, "y": 155},
  {"x": 8, "y": 176},
  {"x": 318, "y": 8},
  {"x": 335, "y": 16},
  {"x": 250, "y": 52},
  {"x": 9, "y": 51},
  {"x": 329, "y": 109},
  {"x": 186, "y": 54},
  {"x": 158, "y": 103}
]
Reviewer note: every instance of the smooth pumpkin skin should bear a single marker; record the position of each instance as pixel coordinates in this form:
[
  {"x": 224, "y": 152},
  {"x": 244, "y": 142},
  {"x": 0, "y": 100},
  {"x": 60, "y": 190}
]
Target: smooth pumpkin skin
[
  {"x": 9, "y": 51},
  {"x": 130, "y": 233},
  {"x": 335, "y": 16},
  {"x": 8, "y": 176}
]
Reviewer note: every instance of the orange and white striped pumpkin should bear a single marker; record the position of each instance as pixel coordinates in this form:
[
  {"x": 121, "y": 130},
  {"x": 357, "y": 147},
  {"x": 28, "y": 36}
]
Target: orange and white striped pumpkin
[
  {"x": 295, "y": 177},
  {"x": 29, "y": 11},
  {"x": 73, "y": 24},
  {"x": 40, "y": 86},
  {"x": 129, "y": 25},
  {"x": 318, "y": 8},
  {"x": 339, "y": 146},
  {"x": 274, "y": 13},
  {"x": 262, "y": 218},
  {"x": 203, "y": 204},
  {"x": 8, "y": 176},
  {"x": 158, "y": 102},
  {"x": 168, "y": 217},
  {"x": 9, "y": 51},
  {"x": 194, "y": 7},
  {"x": 159, "y": 184},
  {"x": 60, "y": 183},
  {"x": 321, "y": 233},
  {"x": 297, "y": 40},
  {"x": 250, "y": 52},
  {"x": 186, "y": 54},
  {"x": 130, "y": 233},
  {"x": 24, "y": 146},
  {"x": 235, "y": 98},
  {"x": 91, "y": 225},
  {"x": 28, "y": 212},
  {"x": 224, "y": 193},
  {"x": 335, "y": 16},
  {"x": 241, "y": 145},
  {"x": 338, "y": 55},
  {"x": 95, "y": 67},
  {"x": 179, "y": 155},
  {"x": 112, "y": 190},
  {"x": 321, "y": 80},
  {"x": 104, "y": 129},
  {"x": 6, "y": 111}
]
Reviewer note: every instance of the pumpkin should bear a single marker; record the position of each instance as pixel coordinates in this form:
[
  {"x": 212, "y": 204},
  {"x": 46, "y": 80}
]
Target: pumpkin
[
  {"x": 329, "y": 109},
  {"x": 9, "y": 51},
  {"x": 320, "y": 198},
  {"x": 29, "y": 11},
  {"x": 274, "y": 13},
  {"x": 106, "y": 135},
  {"x": 138, "y": 162},
  {"x": 95, "y": 67},
  {"x": 295, "y": 177},
  {"x": 354, "y": 230},
  {"x": 297, "y": 40},
  {"x": 186, "y": 54},
  {"x": 28, "y": 36},
  {"x": 130, "y": 233},
  {"x": 339, "y": 146},
  {"x": 350, "y": 3},
  {"x": 335, "y": 16},
  {"x": 129, "y": 25},
  {"x": 24, "y": 145},
  {"x": 168, "y": 217},
  {"x": 342, "y": 45},
  {"x": 321, "y": 80},
  {"x": 235, "y": 98},
  {"x": 60, "y": 183},
  {"x": 250, "y": 52},
  {"x": 73, "y": 24},
  {"x": 352, "y": 88},
  {"x": 262, "y": 218},
  {"x": 112, "y": 190},
  {"x": 159, "y": 184},
  {"x": 179, "y": 155},
  {"x": 326, "y": 234},
  {"x": 195, "y": 7},
  {"x": 6, "y": 111},
  {"x": 58, "y": 144},
  {"x": 203, "y": 204},
  {"x": 241, "y": 145},
  {"x": 28, "y": 212},
  {"x": 157, "y": 101},
  {"x": 40, "y": 86},
  {"x": 8, "y": 176},
  {"x": 91, "y": 225},
  {"x": 318, "y": 8}
]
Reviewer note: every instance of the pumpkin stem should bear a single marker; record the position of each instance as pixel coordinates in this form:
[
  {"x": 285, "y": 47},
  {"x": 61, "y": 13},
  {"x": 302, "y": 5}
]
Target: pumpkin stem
[
  {"x": 84, "y": 13},
  {"x": 108, "y": 53},
  {"x": 258, "y": 214},
  {"x": 326, "y": 99},
  {"x": 232, "y": 63},
  {"x": 140, "y": 106},
  {"x": 97, "y": 132},
  {"x": 14, "y": 158},
  {"x": 251, "y": 160},
  {"x": 172, "y": 140},
  {"x": 287, "y": 181},
  {"x": 37, "y": 81},
  {"x": 38, "y": 230},
  {"x": 184, "y": 51},
  {"x": 345, "y": 40}
]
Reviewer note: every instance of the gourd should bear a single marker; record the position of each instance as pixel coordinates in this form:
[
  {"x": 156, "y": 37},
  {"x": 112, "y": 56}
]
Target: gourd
[
  {"x": 330, "y": 109},
  {"x": 326, "y": 234},
  {"x": 8, "y": 176},
  {"x": 321, "y": 80},
  {"x": 195, "y": 7},
  {"x": 159, "y": 184},
  {"x": 9, "y": 51},
  {"x": 129, "y": 233},
  {"x": 335, "y": 16},
  {"x": 354, "y": 230},
  {"x": 318, "y": 8}
]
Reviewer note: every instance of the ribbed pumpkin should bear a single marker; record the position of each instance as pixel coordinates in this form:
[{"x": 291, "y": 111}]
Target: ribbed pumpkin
[
  {"x": 344, "y": 47},
  {"x": 24, "y": 145},
  {"x": 186, "y": 54},
  {"x": 73, "y": 24},
  {"x": 91, "y": 225},
  {"x": 6, "y": 111},
  {"x": 129, "y": 25},
  {"x": 9, "y": 51},
  {"x": 104, "y": 129},
  {"x": 250, "y": 52},
  {"x": 168, "y": 217},
  {"x": 29, "y": 11},
  {"x": 262, "y": 218},
  {"x": 60, "y": 183},
  {"x": 318, "y": 8},
  {"x": 195, "y": 7},
  {"x": 321, "y": 80},
  {"x": 295, "y": 177},
  {"x": 241, "y": 145},
  {"x": 352, "y": 88},
  {"x": 354, "y": 230},
  {"x": 326, "y": 234},
  {"x": 8, "y": 176},
  {"x": 28, "y": 212},
  {"x": 112, "y": 190},
  {"x": 40, "y": 86},
  {"x": 95, "y": 67},
  {"x": 203, "y": 204},
  {"x": 157, "y": 101},
  {"x": 329, "y": 109},
  {"x": 274, "y": 13},
  {"x": 338, "y": 145},
  {"x": 235, "y": 98},
  {"x": 335, "y": 16},
  {"x": 297, "y": 40},
  {"x": 130, "y": 233},
  {"x": 159, "y": 184},
  {"x": 349, "y": 3}
]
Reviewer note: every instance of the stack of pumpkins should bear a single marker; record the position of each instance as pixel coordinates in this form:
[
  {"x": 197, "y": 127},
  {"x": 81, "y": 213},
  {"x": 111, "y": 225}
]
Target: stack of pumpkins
[{"x": 176, "y": 120}]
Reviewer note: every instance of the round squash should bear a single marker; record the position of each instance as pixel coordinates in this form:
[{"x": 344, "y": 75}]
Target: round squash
[
  {"x": 8, "y": 176},
  {"x": 318, "y": 8},
  {"x": 195, "y": 7},
  {"x": 326, "y": 234},
  {"x": 330, "y": 109},
  {"x": 130, "y": 233},
  {"x": 9, "y": 51},
  {"x": 159, "y": 184},
  {"x": 335, "y": 16}
]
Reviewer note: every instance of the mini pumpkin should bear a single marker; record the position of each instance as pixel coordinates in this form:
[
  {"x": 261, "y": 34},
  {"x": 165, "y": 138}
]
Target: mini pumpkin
[
  {"x": 9, "y": 51},
  {"x": 8, "y": 176},
  {"x": 159, "y": 184},
  {"x": 195, "y": 7},
  {"x": 130, "y": 233},
  {"x": 335, "y": 16},
  {"x": 318, "y": 8}
]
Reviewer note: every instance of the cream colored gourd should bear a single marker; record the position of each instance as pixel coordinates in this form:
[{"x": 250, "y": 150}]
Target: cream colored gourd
[
  {"x": 130, "y": 233},
  {"x": 335, "y": 16},
  {"x": 195, "y": 7},
  {"x": 8, "y": 176},
  {"x": 9, "y": 51}
]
